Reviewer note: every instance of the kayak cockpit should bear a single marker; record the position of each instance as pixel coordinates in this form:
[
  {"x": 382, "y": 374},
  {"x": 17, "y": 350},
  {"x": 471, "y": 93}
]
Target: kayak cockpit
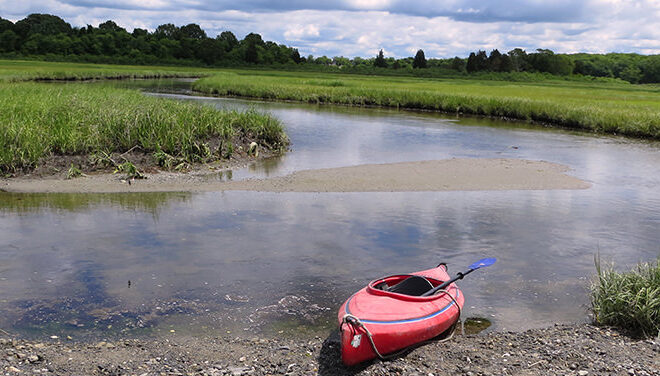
[{"x": 404, "y": 286}]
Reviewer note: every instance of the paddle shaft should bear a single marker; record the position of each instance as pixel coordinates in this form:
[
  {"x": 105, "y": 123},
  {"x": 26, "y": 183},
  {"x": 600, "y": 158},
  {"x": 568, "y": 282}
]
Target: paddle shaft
[{"x": 460, "y": 275}]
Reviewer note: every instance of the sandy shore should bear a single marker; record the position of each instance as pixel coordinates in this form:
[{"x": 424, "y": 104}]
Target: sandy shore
[
  {"x": 438, "y": 175},
  {"x": 578, "y": 349}
]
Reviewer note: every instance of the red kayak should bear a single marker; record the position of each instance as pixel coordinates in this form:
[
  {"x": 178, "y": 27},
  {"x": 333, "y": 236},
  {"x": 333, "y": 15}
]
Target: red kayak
[{"x": 390, "y": 314}]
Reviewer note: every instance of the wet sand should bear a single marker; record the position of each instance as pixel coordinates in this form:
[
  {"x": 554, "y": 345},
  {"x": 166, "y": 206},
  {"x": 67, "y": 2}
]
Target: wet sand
[{"x": 438, "y": 175}]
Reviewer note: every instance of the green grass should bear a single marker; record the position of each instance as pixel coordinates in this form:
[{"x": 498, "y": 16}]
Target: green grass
[
  {"x": 629, "y": 300},
  {"x": 631, "y": 110},
  {"x": 21, "y": 70},
  {"x": 40, "y": 119}
]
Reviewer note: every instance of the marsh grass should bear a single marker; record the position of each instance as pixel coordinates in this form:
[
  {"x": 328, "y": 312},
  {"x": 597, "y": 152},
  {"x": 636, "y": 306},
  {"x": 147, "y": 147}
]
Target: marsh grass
[
  {"x": 73, "y": 172},
  {"x": 629, "y": 300},
  {"x": 22, "y": 70},
  {"x": 39, "y": 119},
  {"x": 632, "y": 110}
]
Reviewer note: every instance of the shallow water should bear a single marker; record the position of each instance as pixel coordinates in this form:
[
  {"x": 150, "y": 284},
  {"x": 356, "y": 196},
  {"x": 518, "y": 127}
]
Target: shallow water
[{"x": 259, "y": 262}]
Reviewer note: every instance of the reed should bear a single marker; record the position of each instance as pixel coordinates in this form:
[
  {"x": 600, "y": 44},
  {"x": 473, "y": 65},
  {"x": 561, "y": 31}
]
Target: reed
[
  {"x": 631, "y": 110},
  {"x": 40, "y": 119},
  {"x": 629, "y": 300}
]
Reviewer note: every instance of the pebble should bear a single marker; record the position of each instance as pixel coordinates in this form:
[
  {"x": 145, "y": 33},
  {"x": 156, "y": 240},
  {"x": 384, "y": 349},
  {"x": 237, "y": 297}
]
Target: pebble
[{"x": 585, "y": 351}]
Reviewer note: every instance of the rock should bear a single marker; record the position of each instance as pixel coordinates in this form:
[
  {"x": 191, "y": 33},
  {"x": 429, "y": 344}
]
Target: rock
[
  {"x": 583, "y": 373},
  {"x": 33, "y": 358}
]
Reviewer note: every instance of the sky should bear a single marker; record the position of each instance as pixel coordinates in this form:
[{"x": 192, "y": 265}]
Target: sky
[{"x": 442, "y": 28}]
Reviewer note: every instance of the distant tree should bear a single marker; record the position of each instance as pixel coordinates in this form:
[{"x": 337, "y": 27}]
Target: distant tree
[
  {"x": 8, "y": 41},
  {"x": 254, "y": 38},
  {"x": 295, "y": 56},
  {"x": 495, "y": 61},
  {"x": 110, "y": 26},
  {"x": 506, "y": 65},
  {"x": 137, "y": 32},
  {"x": 518, "y": 58},
  {"x": 44, "y": 24},
  {"x": 380, "y": 60},
  {"x": 167, "y": 31},
  {"x": 631, "y": 74},
  {"x": 5, "y": 25},
  {"x": 471, "y": 65},
  {"x": 651, "y": 70},
  {"x": 323, "y": 60},
  {"x": 251, "y": 55},
  {"x": 192, "y": 31},
  {"x": 457, "y": 64},
  {"x": 420, "y": 60},
  {"x": 210, "y": 51},
  {"x": 546, "y": 61},
  {"x": 482, "y": 60},
  {"x": 477, "y": 62},
  {"x": 228, "y": 40},
  {"x": 341, "y": 61}
]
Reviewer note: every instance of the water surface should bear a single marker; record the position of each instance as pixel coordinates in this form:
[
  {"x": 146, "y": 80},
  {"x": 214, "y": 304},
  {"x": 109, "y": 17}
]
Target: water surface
[{"x": 258, "y": 262}]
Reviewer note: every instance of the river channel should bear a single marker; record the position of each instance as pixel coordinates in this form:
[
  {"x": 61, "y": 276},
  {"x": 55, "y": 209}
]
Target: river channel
[{"x": 104, "y": 265}]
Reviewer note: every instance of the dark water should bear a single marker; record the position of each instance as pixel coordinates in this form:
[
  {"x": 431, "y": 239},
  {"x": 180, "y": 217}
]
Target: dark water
[{"x": 284, "y": 262}]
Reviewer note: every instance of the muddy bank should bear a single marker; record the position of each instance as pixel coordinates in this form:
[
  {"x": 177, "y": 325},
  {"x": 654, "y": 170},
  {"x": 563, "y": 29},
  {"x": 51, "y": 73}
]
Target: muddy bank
[
  {"x": 440, "y": 175},
  {"x": 578, "y": 349}
]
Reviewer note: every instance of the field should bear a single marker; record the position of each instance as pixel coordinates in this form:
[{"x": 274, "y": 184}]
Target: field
[
  {"x": 39, "y": 120},
  {"x": 20, "y": 70},
  {"x": 631, "y": 110}
]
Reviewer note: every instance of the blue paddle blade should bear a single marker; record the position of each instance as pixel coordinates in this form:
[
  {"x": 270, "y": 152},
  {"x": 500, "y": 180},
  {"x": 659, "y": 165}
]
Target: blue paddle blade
[{"x": 483, "y": 263}]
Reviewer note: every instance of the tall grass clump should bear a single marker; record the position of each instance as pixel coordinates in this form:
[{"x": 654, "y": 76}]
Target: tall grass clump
[
  {"x": 605, "y": 108},
  {"x": 628, "y": 300},
  {"x": 38, "y": 120}
]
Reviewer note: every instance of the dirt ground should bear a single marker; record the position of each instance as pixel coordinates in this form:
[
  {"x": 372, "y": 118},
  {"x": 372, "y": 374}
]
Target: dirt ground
[
  {"x": 440, "y": 175},
  {"x": 577, "y": 349}
]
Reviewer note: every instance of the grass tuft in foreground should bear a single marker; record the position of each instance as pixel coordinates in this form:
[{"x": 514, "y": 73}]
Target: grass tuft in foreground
[
  {"x": 629, "y": 300},
  {"x": 39, "y": 120}
]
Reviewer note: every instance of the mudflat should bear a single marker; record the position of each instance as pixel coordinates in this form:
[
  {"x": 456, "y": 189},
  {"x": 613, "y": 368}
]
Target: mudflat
[{"x": 458, "y": 174}]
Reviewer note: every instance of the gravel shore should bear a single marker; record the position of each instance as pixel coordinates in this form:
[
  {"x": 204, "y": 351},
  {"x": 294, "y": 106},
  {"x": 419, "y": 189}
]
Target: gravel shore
[{"x": 577, "y": 349}]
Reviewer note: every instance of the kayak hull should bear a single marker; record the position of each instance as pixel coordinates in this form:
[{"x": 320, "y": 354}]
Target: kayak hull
[{"x": 395, "y": 321}]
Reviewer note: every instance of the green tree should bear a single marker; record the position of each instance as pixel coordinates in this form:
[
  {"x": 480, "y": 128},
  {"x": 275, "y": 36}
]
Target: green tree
[
  {"x": 8, "y": 41},
  {"x": 651, "y": 70},
  {"x": 495, "y": 61},
  {"x": 631, "y": 74},
  {"x": 420, "y": 60},
  {"x": 457, "y": 64},
  {"x": 192, "y": 31},
  {"x": 6, "y": 25},
  {"x": 168, "y": 30},
  {"x": 44, "y": 24},
  {"x": 110, "y": 26},
  {"x": 295, "y": 56},
  {"x": 518, "y": 58},
  {"x": 210, "y": 51},
  {"x": 228, "y": 40},
  {"x": 380, "y": 60}
]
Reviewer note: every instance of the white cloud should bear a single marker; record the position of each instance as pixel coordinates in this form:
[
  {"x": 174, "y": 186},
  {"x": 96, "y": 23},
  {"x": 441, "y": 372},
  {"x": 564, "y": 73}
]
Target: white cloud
[
  {"x": 362, "y": 27},
  {"x": 299, "y": 32}
]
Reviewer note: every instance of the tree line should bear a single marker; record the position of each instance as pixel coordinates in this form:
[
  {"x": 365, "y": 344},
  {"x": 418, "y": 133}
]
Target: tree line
[
  {"x": 44, "y": 34},
  {"x": 49, "y": 36},
  {"x": 633, "y": 68}
]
